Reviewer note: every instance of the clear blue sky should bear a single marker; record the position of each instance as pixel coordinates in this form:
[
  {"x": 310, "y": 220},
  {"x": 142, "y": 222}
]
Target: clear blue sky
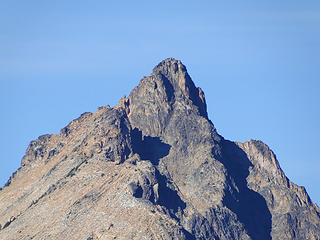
[{"x": 258, "y": 63}]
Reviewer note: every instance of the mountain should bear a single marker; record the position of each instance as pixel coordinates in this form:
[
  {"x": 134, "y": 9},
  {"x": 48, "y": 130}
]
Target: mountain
[{"x": 153, "y": 167}]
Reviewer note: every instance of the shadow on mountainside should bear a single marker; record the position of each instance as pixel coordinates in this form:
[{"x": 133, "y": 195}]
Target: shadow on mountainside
[
  {"x": 249, "y": 206},
  {"x": 149, "y": 148},
  {"x": 152, "y": 149}
]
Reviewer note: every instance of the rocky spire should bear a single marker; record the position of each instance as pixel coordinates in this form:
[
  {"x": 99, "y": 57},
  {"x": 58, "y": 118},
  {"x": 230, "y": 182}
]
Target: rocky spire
[
  {"x": 169, "y": 88},
  {"x": 184, "y": 88}
]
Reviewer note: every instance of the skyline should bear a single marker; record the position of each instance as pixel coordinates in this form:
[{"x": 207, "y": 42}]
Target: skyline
[{"x": 257, "y": 63}]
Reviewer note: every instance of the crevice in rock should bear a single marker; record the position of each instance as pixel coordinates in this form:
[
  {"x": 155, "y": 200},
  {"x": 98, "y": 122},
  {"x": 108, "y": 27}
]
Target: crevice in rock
[
  {"x": 168, "y": 88},
  {"x": 12, "y": 218},
  {"x": 73, "y": 171},
  {"x": 59, "y": 183},
  {"x": 249, "y": 206},
  {"x": 153, "y": 149},
  {"x": 188, "y": 235},
  {"x": 168, "y": 197}
]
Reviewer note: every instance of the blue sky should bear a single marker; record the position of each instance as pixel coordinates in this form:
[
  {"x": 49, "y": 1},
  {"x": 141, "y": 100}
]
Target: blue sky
[{"x": 258, "y": 63}]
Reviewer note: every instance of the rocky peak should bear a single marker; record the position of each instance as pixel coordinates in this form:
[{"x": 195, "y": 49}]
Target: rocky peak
[
  {"x": 168, "y": 89},
  {"x": 153, "y": 167},
  {"x": 176, "y": 73}
]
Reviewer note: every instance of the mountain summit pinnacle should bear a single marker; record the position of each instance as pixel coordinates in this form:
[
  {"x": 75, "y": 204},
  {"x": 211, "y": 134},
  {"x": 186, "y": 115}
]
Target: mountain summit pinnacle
[
  {"x": 176, "y": 73},
  {"x": 153, "y": 167},
  {"x": 168, "y": 89}
]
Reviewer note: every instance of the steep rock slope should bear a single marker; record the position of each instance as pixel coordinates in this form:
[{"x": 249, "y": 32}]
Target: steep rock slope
[{"x": 153, "y": 167}]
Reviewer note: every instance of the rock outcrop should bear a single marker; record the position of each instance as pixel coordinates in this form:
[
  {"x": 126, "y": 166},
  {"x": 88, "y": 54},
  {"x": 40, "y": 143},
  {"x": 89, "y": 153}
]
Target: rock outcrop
[{"x": 153, "y": 167}]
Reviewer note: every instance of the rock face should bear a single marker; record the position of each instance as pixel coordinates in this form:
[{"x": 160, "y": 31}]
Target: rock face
[{"x": 153, "y": 167}]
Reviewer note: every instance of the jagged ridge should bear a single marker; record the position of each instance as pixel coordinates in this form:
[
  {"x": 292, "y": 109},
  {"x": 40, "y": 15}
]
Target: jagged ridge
[{"x": 153, "y": 167}]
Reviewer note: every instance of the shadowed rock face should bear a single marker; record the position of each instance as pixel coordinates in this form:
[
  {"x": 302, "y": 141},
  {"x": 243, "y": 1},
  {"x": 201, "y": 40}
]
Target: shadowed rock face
[{"x": 153, "y": 167}]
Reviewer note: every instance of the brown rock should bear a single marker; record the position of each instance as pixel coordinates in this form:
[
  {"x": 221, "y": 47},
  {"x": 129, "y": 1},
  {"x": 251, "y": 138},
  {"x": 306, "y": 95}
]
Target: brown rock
[{"x": 153, "y": 167}]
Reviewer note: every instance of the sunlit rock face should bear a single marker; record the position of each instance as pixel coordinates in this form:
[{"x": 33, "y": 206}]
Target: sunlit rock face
[{"x": 153, "y": 167}]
